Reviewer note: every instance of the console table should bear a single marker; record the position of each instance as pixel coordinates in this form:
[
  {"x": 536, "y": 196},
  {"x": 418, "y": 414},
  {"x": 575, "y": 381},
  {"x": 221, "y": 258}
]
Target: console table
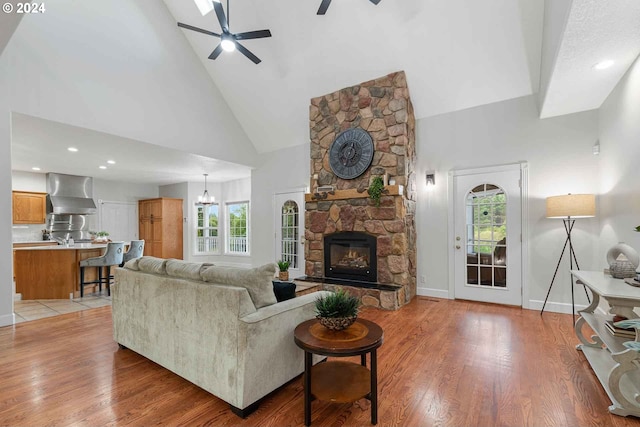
[
  {"x": 339, "y": 381},
  {"x": 617, "y": 368}
]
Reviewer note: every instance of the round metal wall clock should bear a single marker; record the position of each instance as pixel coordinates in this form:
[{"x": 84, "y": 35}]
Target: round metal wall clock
[{"x": 351, "y": 153}]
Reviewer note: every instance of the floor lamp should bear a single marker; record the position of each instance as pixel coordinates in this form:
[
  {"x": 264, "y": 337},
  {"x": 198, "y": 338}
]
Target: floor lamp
[{"x": 568, "y": 208}]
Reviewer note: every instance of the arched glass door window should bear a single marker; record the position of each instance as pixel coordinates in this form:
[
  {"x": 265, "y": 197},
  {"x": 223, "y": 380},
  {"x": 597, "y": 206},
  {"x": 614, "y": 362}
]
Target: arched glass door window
[
  {"x": 289, "y": 231},
  {"x": 486, "y": 208}
]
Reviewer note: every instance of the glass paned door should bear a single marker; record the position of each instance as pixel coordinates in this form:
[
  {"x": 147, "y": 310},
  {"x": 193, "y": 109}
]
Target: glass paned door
[
  {"x": 289, "y": 230},
  {"x": 487, "y": 248},
  {"x": 486, "y": 207},
  {"x": 289, "y": 240}
]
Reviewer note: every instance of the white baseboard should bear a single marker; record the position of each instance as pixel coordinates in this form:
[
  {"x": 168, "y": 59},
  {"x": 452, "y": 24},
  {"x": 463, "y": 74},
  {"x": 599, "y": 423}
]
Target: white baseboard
[
  {"x": 17, "y": 297},
  {"x": 7, "y": 319},
  {"x": 435, "y": 293},
  {"x": 555, "y": 307}
]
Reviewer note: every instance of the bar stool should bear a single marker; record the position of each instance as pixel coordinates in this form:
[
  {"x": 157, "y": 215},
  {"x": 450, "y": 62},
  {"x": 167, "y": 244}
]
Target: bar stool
[
  {"x": 136, "y": 248},
  {"x": 112, "y": 256}
]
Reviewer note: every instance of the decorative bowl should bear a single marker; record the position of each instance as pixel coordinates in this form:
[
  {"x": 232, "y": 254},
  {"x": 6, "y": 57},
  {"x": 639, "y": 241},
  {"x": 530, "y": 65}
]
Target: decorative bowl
[{"x": 337, "y": 323}]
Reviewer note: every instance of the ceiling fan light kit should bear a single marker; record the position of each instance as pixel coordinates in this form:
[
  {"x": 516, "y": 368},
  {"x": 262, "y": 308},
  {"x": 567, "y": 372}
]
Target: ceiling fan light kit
[{"x": 228, "y": 40}]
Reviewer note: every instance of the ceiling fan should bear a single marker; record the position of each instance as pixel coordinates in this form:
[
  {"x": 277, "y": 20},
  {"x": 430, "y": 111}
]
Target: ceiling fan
[
  {"x": 228, "y": 40},
  {"x": 325, "y": 5}
]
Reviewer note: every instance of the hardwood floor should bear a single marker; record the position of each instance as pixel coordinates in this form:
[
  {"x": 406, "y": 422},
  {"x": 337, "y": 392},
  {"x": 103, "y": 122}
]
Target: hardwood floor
[{"x": 443, "y": 363}]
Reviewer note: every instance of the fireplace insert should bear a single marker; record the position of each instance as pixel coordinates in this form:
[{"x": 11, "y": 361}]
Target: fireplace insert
[{"x": 350, "y": 255}]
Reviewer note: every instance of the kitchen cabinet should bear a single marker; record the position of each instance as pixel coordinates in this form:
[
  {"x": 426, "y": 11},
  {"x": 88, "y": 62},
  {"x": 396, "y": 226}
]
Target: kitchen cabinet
[
  {"x": 161, "y": 227},
  {"x": 29, "y": 207}
]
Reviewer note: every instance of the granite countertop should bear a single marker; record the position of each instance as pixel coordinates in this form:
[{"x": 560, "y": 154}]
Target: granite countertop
[{"x": 62, "y": 247}]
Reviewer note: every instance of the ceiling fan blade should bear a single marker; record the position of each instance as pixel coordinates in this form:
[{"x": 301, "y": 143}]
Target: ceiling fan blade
[
  {"x": 200, "y": 30},
  {"x": 221, "y": 17},
  {"x": 248, "y": 54},
  {"x": 323, "y": 7},
  {"x": 252, "y": 35},
  {"x": 375, "y": 1},
  {"x": 216, "y": 52}
]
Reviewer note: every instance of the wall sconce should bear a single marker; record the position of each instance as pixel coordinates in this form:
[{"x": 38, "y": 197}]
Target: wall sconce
[
  {"x": 596, "y": 148},
  {"x": 431, "y": 179}
]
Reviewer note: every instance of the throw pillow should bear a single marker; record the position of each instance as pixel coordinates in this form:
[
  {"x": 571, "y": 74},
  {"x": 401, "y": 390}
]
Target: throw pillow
[
  {"x": 132, "y": 264},
  {"x": 185, "y": 270},
  {"x": 284, "y": 290},
  {"x": 257, "y": 281},
  {"x": 149, "y": 264}
]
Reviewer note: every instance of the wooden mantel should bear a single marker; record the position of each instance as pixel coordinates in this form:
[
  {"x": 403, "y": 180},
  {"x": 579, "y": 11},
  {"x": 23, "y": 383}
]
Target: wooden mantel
[{"x": 352, "y": 193}]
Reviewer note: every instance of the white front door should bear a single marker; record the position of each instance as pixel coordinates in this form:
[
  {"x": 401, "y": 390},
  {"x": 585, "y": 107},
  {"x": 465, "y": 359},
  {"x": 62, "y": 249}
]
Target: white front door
[
  {"x": 488, "y": 235},
  {"x": 289, "y": 227}
]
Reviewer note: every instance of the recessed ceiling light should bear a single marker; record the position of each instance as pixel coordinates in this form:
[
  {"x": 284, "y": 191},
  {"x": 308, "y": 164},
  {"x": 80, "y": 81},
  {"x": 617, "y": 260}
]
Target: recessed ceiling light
[
  {"x": 102, "y": 167},
  {"x": 111, "y": 162},
  {"x": 35, "y": 168},
  {"x": 72, "y": 149},
  {"x": 603, "y": 65}
]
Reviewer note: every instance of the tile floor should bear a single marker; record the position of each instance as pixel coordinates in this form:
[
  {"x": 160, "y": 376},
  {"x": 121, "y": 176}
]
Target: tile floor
[{"x": 38, "y": 309}]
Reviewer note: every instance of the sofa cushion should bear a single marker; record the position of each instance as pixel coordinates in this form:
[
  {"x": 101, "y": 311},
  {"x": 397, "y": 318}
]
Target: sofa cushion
[
  {"x": 257, "y": 281},
  {"x": 149, "y": 264},
  {"x": 284, "y": 290},
  {"x": 132, "y": 264},
  {"x": 186, "y": 270}
]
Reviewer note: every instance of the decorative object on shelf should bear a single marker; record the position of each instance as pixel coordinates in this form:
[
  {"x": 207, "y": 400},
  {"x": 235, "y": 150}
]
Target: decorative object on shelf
[
  {"x": 633, "y": 282},
  {"x": 623, "y": 261},
  {"x": 351, "y": 153},
  {"x": 568, "y": 208},
  {"x": 376, "y": 188},
  {"x": 205, "y": 199},
  {"x": 283, "y": 266},
  {"x": 102, "y": 236},
  {"x": 337, "y": 311}
]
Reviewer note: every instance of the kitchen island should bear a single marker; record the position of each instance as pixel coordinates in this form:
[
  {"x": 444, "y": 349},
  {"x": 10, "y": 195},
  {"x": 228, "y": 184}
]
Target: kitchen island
[{"x": 53, "y": 271}]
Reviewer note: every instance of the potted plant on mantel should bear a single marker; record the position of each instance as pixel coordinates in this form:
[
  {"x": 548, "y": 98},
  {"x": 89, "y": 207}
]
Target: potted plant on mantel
[
  {"x": 337, "y": 311},
  {"x": 283, "y": 266}
]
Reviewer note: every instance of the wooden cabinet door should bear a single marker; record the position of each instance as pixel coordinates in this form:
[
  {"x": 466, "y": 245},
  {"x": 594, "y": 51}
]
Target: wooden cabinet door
[{"x": 29, "y": 208}]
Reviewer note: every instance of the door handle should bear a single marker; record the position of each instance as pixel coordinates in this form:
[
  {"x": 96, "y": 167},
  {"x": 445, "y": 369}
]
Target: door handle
[{"x": 457, "y": 246}]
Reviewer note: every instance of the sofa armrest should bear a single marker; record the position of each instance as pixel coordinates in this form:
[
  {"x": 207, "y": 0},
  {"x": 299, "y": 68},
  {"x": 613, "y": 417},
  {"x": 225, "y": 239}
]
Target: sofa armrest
[{"x": 267, "y": 354}]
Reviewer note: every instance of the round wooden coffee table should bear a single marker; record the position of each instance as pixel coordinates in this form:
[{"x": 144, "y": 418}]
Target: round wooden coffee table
[{"x": 340, "y": 381}]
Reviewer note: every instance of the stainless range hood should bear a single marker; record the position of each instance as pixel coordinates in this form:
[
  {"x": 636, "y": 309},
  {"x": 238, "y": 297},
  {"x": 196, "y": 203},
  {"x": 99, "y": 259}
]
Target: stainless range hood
[{"x": 70, "y": 194}]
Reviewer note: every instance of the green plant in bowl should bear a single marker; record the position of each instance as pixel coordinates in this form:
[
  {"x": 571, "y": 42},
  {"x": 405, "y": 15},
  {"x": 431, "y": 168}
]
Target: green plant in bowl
[{"x": 338, "y": 310}]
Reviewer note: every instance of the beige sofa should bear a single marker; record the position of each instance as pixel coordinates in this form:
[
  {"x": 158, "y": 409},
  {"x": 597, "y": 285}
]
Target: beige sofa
[{"x": 219, "y": 328}]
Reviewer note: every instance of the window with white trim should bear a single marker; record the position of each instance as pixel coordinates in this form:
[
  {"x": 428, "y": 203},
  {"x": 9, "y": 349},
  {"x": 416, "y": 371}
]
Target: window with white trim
[
  {"x": 237, "y": 235},
  {"x": 207, "y": 240}
]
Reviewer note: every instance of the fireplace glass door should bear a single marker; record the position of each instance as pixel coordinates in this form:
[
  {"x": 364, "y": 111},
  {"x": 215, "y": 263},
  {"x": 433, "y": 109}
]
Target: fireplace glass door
[{"x": 351, "y": 255}]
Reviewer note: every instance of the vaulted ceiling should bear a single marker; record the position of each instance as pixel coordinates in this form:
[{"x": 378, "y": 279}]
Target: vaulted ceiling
[{"x": 457, "y": 54}]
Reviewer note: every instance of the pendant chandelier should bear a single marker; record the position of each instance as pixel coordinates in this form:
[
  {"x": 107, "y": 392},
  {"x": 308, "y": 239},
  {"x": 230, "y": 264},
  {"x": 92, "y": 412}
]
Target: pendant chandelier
[{"x": 205, "y": 199}]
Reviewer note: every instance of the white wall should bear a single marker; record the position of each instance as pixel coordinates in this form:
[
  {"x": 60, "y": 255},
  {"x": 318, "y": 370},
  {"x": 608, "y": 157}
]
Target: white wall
[
  {"x": 122, "y": 67},
  {"x": 619, "y": 119},
  {"x": 560, "y": 159},
  {"x": 6, "y": 252},
  {"x": 281, "y": 171}
]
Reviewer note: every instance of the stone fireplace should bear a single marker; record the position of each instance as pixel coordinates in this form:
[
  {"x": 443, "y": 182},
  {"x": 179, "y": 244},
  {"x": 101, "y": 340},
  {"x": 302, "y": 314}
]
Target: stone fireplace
[{"x": 377, "y": 262}]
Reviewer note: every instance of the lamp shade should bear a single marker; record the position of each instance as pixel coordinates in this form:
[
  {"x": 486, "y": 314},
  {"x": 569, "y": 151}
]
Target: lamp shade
[{"x": 571, "y": 205}]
